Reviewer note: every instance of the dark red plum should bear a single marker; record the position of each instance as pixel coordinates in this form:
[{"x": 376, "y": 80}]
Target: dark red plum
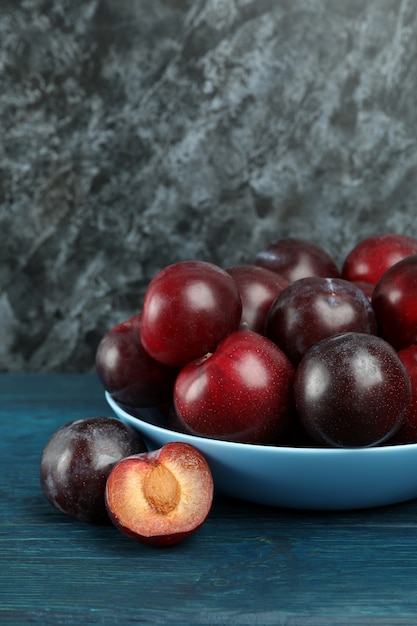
[
  {"x": 295, "y": 258},
  {"x": 77, "y": 460},
  {"x": 374, "y": 255},
  {"x": 258, "y": 288},
  {"x": 352, "y": 390},
  {"x": 242, "y": 392},
  {"x": 311, "y": 309},
  {"x": 188, "y": 308},
  {"x": 128, "y": 372},
  {"x": 367, "y": 288},
  {"x": 395, "y": 303},
  {"x": 408, "y": 430}
]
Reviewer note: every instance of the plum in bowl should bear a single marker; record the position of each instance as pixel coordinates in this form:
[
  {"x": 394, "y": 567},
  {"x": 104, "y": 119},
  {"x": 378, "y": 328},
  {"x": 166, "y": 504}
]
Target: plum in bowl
[{"x": 299, "y": 478}]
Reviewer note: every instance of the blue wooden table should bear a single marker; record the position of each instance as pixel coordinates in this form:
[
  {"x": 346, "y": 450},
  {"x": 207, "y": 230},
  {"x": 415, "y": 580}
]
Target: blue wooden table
[{"x": 247, "y": 564}]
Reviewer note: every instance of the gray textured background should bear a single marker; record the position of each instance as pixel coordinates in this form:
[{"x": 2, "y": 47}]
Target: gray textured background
[{"x": 136, "y": 133}]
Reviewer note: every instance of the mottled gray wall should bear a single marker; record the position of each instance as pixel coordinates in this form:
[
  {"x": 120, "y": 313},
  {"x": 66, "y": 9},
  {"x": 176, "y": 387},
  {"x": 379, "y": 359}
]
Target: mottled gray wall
[{"x": 136, "y": 133}]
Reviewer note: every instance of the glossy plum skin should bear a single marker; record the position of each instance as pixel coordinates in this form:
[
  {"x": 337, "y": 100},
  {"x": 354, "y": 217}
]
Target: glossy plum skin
[
  {"x": 367, "y": 288},
  {"x": 395, "y": 303},
  {"x": 313, "y": 308},
  {"x": 295, "y": 258},
  {"x": 242, "y": 392},
  {"x": 258, "y": 288},
  {"x": 188, "y": 308},
  {"x": 128, "y": 372},
  {"x": 374, "y": 255},
  {"x": 77, "y": 460},
  {"x": 408, "y": 430},
  {"x": 352, "y": 390}
]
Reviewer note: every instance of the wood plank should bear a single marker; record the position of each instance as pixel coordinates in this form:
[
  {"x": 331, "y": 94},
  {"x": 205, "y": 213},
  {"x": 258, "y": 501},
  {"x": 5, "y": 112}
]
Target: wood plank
[{"x": 247, "y": 565}]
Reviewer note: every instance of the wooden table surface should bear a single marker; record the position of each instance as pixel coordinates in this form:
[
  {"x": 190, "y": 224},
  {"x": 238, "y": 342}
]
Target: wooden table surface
[{"x": 247, "y": 564}]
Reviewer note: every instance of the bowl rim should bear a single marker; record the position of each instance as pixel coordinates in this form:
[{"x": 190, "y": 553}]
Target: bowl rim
[{"x": 267, "y": 449}]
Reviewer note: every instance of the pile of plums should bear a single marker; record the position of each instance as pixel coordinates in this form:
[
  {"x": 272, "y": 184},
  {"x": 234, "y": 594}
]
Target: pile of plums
[{"x": 286, "y": 350}]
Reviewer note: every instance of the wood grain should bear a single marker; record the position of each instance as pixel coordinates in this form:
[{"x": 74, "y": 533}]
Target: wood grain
[{"x": 247, "y": 565}]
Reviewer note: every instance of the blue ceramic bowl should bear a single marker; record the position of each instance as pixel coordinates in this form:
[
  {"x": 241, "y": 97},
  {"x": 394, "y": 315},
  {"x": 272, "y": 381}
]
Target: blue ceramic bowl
[{"x": 300, "y": 478}]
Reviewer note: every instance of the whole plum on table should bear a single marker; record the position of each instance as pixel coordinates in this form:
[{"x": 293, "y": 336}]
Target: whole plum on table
[
  {"x": 295, "y": 258},
  {"x": 352, "y": 390},
  {"x": 313, "y": 308},
  {"x": 77, "y": 461}
]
